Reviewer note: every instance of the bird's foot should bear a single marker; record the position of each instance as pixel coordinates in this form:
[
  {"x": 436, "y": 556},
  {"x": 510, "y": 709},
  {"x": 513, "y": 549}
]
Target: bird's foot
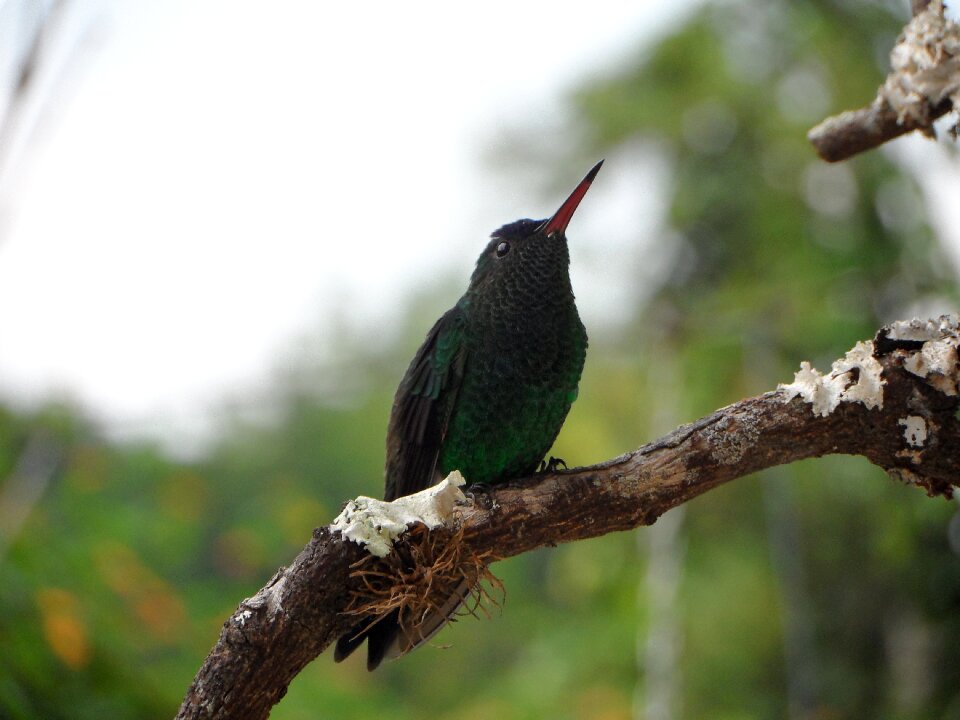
[
  {"x": 551, "y": 465},
  {"x": 480, "y": 494}
]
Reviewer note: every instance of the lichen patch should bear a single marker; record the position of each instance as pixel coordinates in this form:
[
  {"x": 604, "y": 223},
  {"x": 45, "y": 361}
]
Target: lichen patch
[
  {"x": 937, "y": 362},
  {"x": 925, "y": 65},
  {"x": 377, "y": 524},
  {"x": 919, "y": 330},
  {"x": 914, "y": 430},
  {"x": 856, "y": 377},
  {"x": 729, "y": 441}
]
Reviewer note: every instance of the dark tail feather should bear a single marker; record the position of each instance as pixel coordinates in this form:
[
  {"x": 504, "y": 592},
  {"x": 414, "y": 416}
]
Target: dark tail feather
[
  {"x": 380, "y": 633},
  {"x": 384, "y": 637},
  {"x": 346, "y": 644}
]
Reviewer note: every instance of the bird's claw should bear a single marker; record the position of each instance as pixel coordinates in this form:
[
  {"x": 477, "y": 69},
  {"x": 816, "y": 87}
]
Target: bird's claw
[
  {"x": 480, "y": 494},
  {"x": 551, "y": 465}
]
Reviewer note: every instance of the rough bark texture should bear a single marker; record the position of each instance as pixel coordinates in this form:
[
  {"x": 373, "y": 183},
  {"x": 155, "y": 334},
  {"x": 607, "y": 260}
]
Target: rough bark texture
[
  {"x": 273, "y": 635},
  {"x": 921, "y": 87}
]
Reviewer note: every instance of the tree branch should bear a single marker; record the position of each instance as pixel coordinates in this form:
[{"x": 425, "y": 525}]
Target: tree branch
[
  {"x": 892, "y": 400},
  {"x": 850, "y": 133},
  {"x": 923, "y": 86}
]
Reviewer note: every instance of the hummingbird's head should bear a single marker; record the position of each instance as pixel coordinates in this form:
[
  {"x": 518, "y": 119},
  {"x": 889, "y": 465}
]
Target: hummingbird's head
[{"x": 525, "y": 257}]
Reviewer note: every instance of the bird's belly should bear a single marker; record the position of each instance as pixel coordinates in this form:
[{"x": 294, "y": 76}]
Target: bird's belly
[{"x": 494, "y": 437}]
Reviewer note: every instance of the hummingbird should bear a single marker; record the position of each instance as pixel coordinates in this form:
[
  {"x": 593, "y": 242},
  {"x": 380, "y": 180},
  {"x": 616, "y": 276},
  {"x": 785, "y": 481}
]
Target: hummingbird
[{"x": 488, "y": 390}]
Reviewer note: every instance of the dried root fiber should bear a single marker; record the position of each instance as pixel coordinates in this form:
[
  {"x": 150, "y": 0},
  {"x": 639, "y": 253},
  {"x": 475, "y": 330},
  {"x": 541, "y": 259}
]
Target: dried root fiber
[{"x": 423, "y": 571}]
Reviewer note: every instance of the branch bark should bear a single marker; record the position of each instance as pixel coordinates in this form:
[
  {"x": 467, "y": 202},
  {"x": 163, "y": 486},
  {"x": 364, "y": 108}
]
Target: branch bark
[
  {"x": 850, "y": 133},
  {"x": 924, "y": 85},
  {"x": 893, "y": 400}
]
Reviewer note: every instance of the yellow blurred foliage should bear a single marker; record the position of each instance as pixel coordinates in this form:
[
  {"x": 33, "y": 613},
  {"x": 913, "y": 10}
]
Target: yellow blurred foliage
[
  {"x": 148, "y": 596},
  {"x": 162, "y": 612},
  {"x": 63, "y": 628},
  {"x": 184, "y": 495},
  {"x": 486, "y": 707},
  {"x": 298, "y": 516},
  {"x": 603, "y": 702}
]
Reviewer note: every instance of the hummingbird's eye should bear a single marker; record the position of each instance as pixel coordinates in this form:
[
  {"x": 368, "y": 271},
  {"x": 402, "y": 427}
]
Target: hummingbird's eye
[{"x": 502, "y": 249}]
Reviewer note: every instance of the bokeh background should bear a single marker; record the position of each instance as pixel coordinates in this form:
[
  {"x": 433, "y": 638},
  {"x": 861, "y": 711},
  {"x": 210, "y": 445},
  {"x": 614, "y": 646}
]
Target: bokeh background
[{"x": 226, "y": 227}]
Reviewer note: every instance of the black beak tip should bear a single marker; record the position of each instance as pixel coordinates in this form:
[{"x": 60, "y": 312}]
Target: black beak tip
[{"x": 593, "y": 172}]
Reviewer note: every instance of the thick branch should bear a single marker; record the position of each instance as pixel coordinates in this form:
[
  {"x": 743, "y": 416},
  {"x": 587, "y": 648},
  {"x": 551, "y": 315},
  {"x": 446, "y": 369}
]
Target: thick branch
[{"x": 910, "y": 370}]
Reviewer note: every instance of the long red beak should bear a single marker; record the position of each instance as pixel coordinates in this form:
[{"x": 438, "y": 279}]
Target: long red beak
[{"x": 561, "y": 218}]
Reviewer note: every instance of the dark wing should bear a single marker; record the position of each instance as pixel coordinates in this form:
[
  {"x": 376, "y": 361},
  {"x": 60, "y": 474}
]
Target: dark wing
[
  {"x": 418, "y": 425},
  {"x": 423, "y": 406}
]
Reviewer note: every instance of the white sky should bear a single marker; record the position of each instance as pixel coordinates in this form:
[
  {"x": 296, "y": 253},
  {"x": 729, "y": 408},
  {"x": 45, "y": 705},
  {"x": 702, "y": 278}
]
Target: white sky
[
  {"x": 214, "y": 179},
  {"x": 209, "y": 182}
]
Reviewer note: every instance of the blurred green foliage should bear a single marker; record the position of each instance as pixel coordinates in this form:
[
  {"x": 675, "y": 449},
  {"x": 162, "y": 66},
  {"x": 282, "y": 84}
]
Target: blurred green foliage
[{"x": 834, "y": 596}]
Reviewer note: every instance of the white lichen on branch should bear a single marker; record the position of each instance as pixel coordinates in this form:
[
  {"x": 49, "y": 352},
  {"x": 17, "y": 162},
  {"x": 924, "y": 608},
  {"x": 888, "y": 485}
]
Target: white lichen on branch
[
  {"x": 937, "y": 359},
  {"x": 914, "y": 430},
  {"x": 853, "y": 378},
  {"x": 377, "y": 524},
  {"x": 918, "y": 330},
  {"x": 923, "y": 85},
  {"x": 925, "y": 66}
]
